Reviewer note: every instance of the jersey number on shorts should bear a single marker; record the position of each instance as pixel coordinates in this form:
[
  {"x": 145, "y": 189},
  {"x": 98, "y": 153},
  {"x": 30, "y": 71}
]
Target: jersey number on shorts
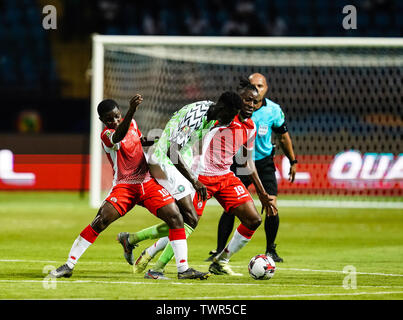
[
  {"x": 239, "y": 190},
  {"x": 164, "y": 193}
]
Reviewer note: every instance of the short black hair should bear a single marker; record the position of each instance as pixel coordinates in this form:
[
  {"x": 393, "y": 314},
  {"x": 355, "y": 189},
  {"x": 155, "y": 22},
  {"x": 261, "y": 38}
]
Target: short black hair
[
  {"x": 245, "y": 84},
  {"x": 106, "y": 106},
  {"x": 231, "y": 100}
]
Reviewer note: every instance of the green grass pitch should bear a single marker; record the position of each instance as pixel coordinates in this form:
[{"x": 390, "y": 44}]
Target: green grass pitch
[{"x": 37, "y": 230}]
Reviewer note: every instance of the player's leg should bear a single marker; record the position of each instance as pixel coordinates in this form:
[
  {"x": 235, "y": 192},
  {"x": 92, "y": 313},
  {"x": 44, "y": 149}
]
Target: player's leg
[
  {"x": 154, "y": 232},
  {"x": 177, "y": 239},
  {"x": 225, "y": 226},
  {"x": 236, "y": 200},
  {"x": 188, "y": 211},
  {"x": 105, "y": 216},
  {"x": 226, "y": 222},
  {"x": 250, "y": 221},
  {"x": 271, "y": 226},
  {"x": 190, "y": 218},
  {"x": 157, "y": 272},
  {"x": 161, "y": 230},
  {"x": 167, "y": 210},
  {"x": 181, "y": 190},
  {"x": 166, "y": 256},
  {"x": 130, "y": 240},
  {"x": 148, "y": 254},
  {"x": 267, "y": 174}
]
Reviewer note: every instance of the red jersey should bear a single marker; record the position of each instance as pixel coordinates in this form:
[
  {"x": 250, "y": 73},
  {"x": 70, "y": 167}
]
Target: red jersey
[
  {"x": 126, "y": 157},
  {"x": 221, "y": 144}
]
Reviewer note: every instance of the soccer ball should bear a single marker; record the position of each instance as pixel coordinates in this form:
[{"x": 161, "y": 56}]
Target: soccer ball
[{"x": 261, "y": 267}]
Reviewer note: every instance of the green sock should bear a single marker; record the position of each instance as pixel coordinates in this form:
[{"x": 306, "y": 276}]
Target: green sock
[
  {"x": 155, "y": 232},
  {"x": 168, "y": 252}
]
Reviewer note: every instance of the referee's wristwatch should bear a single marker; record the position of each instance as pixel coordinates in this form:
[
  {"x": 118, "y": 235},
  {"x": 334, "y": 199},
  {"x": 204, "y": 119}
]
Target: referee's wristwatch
[{"x": 293, "y": 162}]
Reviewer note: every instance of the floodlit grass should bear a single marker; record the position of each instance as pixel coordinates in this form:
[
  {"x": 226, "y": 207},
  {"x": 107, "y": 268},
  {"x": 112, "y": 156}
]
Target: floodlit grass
[{"x": 37, "y": 230}]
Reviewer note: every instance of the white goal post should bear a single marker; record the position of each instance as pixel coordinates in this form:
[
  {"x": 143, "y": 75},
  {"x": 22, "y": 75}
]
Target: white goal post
[{"x": 164, "y": 47}]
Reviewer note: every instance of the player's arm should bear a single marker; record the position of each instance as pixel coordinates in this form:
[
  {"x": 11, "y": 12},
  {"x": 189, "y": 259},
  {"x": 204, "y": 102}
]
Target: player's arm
[
  {"x": 264, "y": 197},
  {"x": 176, "y": 158},
  {"x": 124, "y": 126},
  {"x": 286, "y": 145},
  {"x": 145, "y": 142}
]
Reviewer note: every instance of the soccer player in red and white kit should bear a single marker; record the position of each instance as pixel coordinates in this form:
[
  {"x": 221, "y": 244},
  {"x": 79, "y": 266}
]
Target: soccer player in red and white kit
[
  {"x": 220, "y": 145},
  {"x": 132, "y": 184}
]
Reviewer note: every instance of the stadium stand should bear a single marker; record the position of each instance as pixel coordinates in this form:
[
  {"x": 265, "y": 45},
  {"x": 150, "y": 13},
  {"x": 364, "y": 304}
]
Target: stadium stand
[{"x": 38, "y": 63}]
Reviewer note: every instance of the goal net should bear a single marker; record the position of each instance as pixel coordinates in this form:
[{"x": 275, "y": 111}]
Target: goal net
[{"x": 342, "y": 98}]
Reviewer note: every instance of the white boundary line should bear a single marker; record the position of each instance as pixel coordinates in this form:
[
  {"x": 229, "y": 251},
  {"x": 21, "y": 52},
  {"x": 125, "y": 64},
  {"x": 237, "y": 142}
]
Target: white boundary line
[
  {"x": 294, "y": 295},
  {"x": 204, "y": 266},
  {"x": 174, "y": 282},
  {"x": 276, "y": 296}
]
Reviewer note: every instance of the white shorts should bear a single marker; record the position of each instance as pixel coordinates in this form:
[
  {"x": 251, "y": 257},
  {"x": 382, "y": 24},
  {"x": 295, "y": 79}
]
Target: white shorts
[{"x": 171, "y": 179}]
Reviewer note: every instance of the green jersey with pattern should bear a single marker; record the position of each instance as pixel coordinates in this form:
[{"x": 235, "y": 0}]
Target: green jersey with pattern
[{"x": 187, "y": 125}]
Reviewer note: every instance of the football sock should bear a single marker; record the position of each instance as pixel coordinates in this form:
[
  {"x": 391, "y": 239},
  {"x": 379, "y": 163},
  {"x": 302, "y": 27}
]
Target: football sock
[
  {"x": 158, "y": 246},
  {"x": 225, "y": 226},
  {"x": 271, "y": 225},
  {"x": 154, "y": 232},
  {"x": 241, "y": 237},
  {"x": 168, "y": 252},
  {"x": 83, "y": 241},
  {"x": 177, "y": 239}
]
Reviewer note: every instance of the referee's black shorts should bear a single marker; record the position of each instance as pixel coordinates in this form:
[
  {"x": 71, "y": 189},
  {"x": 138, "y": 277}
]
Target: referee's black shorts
[{"x": 267, "y": 174}]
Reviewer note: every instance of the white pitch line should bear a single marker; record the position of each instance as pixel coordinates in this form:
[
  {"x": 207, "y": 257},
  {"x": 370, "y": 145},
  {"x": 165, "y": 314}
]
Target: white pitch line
[
  {"x": 338, "y": 271},
  {"x": 215, "y": 284},
  {"x": 314, "y": 270},
  {"x": 264, "y": 283},
  {"x": 29, "y": 261},
  {"x": 205, "y": 266},
  {"x": 293, "y": 295}
]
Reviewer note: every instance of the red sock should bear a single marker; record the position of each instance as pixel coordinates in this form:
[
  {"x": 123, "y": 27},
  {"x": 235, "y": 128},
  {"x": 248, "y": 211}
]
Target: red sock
[
  {"x": 246, "y": 232},
  {"x": 89, "y": 234},
  {"x": 177, "y": 234}
]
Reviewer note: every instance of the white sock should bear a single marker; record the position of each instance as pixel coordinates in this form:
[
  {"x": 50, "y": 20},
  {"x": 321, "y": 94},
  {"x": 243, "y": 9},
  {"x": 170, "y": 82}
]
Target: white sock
[
  {"x": 157, "y": 246},
  {"x": 78, "y": 248},
  {"x": 237, "y": 242},
  {"x": 180, "y": 248}
]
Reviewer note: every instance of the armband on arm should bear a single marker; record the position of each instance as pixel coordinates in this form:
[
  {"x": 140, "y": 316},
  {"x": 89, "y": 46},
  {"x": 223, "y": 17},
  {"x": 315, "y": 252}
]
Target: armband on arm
[{"x": 282, "y": 129}]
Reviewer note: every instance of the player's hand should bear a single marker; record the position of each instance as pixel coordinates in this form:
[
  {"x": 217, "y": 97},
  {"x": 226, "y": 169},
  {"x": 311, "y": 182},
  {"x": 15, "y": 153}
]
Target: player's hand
[
  {"x": 292, "y": 173},
  {"x": 135, "y": 101},
  {"x": 201, "y": 190},
  {"x": 268, "y": 204}
]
